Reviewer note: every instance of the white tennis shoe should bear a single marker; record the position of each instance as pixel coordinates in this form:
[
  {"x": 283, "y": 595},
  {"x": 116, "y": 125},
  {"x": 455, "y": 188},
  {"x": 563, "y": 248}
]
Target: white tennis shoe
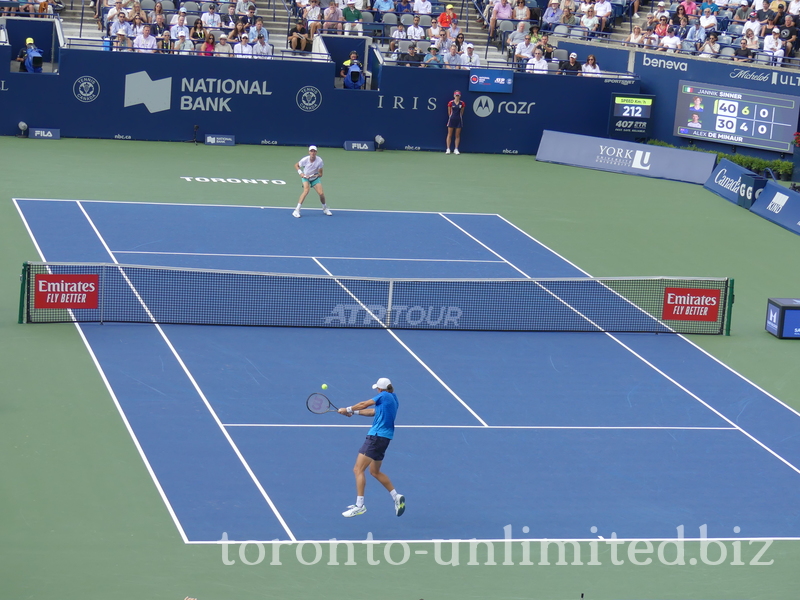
[
  {"x": 296, "y": 214},
  {"x": 327, "y": 211},
  {"x": 447, "y": 151},
  {"x": 456, "y": 151},
  {"x": 400, "y": 505},
  {"x": 354, "y": 511}
]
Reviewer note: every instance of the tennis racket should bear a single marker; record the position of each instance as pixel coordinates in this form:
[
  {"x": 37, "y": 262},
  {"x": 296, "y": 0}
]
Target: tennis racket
[{"x": 319, "y": 404}]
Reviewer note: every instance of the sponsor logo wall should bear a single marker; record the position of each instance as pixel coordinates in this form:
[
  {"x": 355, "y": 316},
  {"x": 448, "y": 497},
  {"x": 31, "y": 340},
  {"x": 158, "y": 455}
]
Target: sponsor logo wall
[
  {"x": 625, "y": 157},
  {"x": 129, "y": 96},
  {"x": 779, "y": 205},
  {"x": 726, "y": 181}
]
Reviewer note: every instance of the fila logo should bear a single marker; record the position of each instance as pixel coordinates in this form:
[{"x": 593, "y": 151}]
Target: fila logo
[
  {"x": 777, "y": 202},
  {"x": 155, "y": 95}
]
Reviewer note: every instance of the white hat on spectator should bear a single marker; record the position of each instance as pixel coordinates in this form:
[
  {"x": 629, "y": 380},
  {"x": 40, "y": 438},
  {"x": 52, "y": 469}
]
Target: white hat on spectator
[
  {"x": 573, "y": 55},
  {"x": 470, "y": 46}
]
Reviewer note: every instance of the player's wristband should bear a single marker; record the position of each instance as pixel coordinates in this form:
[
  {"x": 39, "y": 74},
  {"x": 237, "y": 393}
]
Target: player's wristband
[
  {"x": 356, "y": 412},
  {"x": 299, "y": 171},
  {"x": 349, "y": 410}
]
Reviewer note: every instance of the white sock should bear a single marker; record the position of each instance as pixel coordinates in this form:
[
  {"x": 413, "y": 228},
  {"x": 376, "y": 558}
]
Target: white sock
[
  {"x": 394, "y": 494},
  {"x": 298, "y": 206},
  {"x": 359, "y": 501},
  {"x": 324, "y": 206}
]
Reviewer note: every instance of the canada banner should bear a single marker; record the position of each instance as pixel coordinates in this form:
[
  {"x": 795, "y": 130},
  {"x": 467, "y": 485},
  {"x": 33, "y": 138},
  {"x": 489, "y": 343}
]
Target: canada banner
[
  {"x": 66, "y": 291},
  {"x": 690, "y": 304}
]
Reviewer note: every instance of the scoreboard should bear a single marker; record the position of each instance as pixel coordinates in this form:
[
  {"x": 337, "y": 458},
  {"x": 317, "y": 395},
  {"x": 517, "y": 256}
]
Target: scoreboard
[
  {"x": 736, "y": 116},
  {"x": 631, "y": 116}
]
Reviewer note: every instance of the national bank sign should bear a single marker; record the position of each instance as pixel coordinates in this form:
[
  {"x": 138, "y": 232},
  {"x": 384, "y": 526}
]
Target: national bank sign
[{"x": 207, "y": 94}]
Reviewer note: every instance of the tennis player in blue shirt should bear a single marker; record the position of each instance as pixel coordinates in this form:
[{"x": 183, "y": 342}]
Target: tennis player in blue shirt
[{"x": 374, "y": 447}]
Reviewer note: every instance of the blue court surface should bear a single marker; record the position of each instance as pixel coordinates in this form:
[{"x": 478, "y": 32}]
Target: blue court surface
[{"x": 635, "y": 434}]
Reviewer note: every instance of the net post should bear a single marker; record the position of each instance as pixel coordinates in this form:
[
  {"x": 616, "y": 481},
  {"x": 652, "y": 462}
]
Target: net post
[
  {"x": 389, "y": 304},
  {"x": 729, "y": 309},
  {"x": 23, "y": 288}
]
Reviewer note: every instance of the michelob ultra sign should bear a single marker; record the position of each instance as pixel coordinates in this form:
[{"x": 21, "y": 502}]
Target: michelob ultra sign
[
  {"x": 690, "y": 304},
  {"x": 66, "y": 291}
]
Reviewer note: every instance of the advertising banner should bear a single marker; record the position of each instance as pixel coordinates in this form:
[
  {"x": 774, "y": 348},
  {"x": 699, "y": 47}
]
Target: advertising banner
[
  {"x": 779, "y": 205},
  {"x": 726, "y": 180}
]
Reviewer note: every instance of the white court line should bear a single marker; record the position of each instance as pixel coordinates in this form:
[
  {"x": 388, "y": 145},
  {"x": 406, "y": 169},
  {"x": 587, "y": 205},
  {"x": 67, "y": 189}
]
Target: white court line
[
  {"x": 683, "y": 337},
  {"x": 652, "y": 366},
  {"x": 193, "y": 382},
  {"x": 125, "y": 421},
  {"x": 403, "y": 344},
  {"x": 486, "y": 427},
  {"x": 448, "y": 260}
]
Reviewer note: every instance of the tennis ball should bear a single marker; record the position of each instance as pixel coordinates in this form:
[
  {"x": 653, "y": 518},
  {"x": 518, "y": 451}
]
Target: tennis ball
[{"x": 324, "y": 386}]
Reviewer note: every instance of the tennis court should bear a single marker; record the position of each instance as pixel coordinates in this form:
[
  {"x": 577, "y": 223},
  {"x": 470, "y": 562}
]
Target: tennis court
[{"x": 495, "y": 428}]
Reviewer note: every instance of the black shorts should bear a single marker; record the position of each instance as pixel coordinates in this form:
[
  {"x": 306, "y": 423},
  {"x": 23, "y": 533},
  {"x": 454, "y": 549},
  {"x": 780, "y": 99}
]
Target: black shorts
[{"x": 374, "y": 447}]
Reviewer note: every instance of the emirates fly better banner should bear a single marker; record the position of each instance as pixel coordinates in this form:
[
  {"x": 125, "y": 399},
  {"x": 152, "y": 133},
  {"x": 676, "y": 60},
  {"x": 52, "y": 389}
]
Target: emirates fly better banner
[
  {"x": 690, "y": 304},
  {"x": 66, "y": 291}
]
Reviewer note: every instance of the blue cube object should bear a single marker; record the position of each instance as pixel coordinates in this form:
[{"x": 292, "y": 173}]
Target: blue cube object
[{"x": 783, "y": 317}]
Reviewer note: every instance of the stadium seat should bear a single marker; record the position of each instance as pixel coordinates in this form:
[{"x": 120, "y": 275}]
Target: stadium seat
[
  {"x": 402, "y": 46},
  {"x": 552, "y": 67},
  {"x": 148, "y": 4},
  {"x": 688, "y": 47},
  {"x": 389, "y": 19},
  {"x": 580, "y": 33},
  {"x": 425, "y": 21},
  {"x": 763, "y": 58},
  {"x": 561, "y": 31},
  {"x": 725, "y": 40},
  {"x": 735, "y": 28},
  {"x": 727, "y": 52},
  {"x": 407, "y": 19},
  {"x": 560, "y": 54},
  {"x": 168, "y": 5},
  {"x": 191, "y": 7}
]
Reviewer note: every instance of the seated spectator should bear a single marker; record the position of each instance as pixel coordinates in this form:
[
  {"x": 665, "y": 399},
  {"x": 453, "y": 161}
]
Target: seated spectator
[
  {"x": 312, "y": 16},
  {"x": 545, "y": 47},
  {"x": 402, "y": 7},
  {"x": 567, "y": 18},
  {"x": 696, "y": 35},
  {"x": 537, "y": 64},
  {"x": 299, "y": 8},
  {"x": 794, "y": 8},
  {"x": 120, "y": 23},
  {"x": 242, "y": 6},
  {"x": 569, "y": 4},
  {"x": 517, "y": 36},
  {"x": 121, "y": 42},
  {"x": 298, "y": 37},
  {"x": 243, "y": 49},
  {"x": 184, "y": 45},
  {"x": 486, "y": 15},
  {"x": 682, "y": 29},
  {"x": 111, "y": 15},
  {"x": 752, "y": 25},
  {"x": 585, "y": 6},
  {"x": 353, "y": 19},
  {"x": 236, "y": 34},
  {"x": 350, "y": 62},
  {"x": 570, "y": 66},
  {"x": 165, "y": 43},
  {"x": 158, "y": 9},
  {"x": 774, "y": 46},
  {"x": 333, "y": 18},
  {"x": 603, "y": 11},
  {"x": 257, "y": 29},
  {"x": 412, "y": 58},
  {"x": 635, "y": 38},
  {"x": 710, "y": 5},
  {"x": 590, "y": 21},
  {"x": 502, "y": 10},
  {"x": 524, "y": 51},
  {"x": 691, "y": 8},
  {"x": 432, "y": 59},
  {"x": 708, "y": 21},
  {"x": 208, "y": 46},
  {"x": 197, "y": 33},
  {"x": 230, "y": 19},
  {"x": 752, "y": 40},
  {"x": 415, "y": 32},
  {"x": 661, "y": 11},
  {"x": 398, "y": 34},
  {"x": 433, "y": 32},
  {"x": 262, "y": 49},
  {"x": 743, "y": 53},
  {"x": 452, "y": 59},
  {"x": 710, "y": 48},
  {"x": 590, "y": 68},
  {"x": 680, "y": 13},
  {"x": 447, "y": 16},
  {"x": 210, "y": 18},
  {"x": 780, "y": 16},
  {"x": 459, "y": 44},
  {"x": 742, "y": 13},
  {"x": 765, "y": 17},
  {"x": 552, "y": 16},
  {"x": 536, "y": 34},
  {"x": 789, "y": 35},
  {"x": 470, "y": 59},
  {"x": 159, "y": 27},
  {"x": 180, "y": 14},
  {"x": 661, "y": 27},
  {"x": 136, "y": 11},
  {"x": 137, "y": 26},
  {"x": 250, "y": 17},
  {"x": 521, "y": 11},
  {"x": 223, "y": 48},
  {"x": 145, "y": 42},
  {"x": 423, "y": 7},
  {"x": 670, "y": 43},
  {"x": 381, "y": 7},
  {"x": 442, "y": 43}
]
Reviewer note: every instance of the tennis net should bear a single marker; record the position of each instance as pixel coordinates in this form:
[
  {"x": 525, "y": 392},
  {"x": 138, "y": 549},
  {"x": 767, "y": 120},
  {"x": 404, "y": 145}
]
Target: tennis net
[{"x": 96, "y": 292}]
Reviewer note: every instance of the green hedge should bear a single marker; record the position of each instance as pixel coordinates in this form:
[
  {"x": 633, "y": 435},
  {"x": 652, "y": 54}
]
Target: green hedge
[{"x": 757, "y": 165}]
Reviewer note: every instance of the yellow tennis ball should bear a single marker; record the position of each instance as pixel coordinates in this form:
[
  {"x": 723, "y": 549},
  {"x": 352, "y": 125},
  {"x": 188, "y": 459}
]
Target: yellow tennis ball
[{"x": 324, "y": 386}]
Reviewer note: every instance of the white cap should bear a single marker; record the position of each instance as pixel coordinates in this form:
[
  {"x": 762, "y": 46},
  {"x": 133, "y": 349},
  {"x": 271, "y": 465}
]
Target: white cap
[
  {"x": 383, "y": 383},
  {"x": 470, "y": 46},
  {"x": 310, "y": 148}
]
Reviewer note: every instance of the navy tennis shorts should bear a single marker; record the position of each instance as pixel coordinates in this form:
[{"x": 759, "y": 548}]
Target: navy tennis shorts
[{"x": 374, "y": 447}]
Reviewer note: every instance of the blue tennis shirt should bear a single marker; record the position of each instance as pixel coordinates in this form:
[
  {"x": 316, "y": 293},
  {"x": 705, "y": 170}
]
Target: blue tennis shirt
[{"x": 385, "y": 412}]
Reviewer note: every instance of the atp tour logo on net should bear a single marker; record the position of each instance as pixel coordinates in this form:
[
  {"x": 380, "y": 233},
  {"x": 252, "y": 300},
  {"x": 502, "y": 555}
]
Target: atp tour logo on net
[
  {"x": 414, "y": 316},
  {"x": 623, "y": 157}
]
